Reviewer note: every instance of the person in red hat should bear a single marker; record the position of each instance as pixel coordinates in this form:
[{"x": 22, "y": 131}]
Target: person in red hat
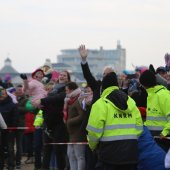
[
  {"x": 38, "y": 74},
  {"x": 34, "y": 87}
]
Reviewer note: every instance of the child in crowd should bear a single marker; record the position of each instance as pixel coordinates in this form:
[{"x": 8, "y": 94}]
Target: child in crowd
[{"x": 34, "y": 87}]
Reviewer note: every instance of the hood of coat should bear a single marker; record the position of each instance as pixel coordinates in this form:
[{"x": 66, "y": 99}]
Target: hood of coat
[{"x": 117, "y": 97}]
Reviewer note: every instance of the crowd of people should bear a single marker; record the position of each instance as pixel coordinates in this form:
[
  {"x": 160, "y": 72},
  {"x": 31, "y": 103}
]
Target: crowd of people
[{"x": 121, "y": 122}]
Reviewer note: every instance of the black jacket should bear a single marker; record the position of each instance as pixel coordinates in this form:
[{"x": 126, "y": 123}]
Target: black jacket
[
  {"x": 21, "y": 109},
  {"x": 95, "y": 85},
  {"x": 92, "y": 82},
  {"x": 53, "y": 108},
  {"x": 9, "y": 112},
  {"x": 53, "y": 115}
]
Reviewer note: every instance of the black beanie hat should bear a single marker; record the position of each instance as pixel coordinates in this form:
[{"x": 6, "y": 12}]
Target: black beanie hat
[
  {"x": 109, "y": 80},
  {"x": 148, "y": 79}
]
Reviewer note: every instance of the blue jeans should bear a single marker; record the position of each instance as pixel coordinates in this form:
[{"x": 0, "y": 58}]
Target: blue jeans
[{"x": 76, "y": 156}]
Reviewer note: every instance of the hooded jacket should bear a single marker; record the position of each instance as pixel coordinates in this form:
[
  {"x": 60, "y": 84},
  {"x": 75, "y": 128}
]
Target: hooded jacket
[
  {"x": 150, "y": 155},
  {"x": 114, "y": 126},
  {"x": 158, "y": 110}
]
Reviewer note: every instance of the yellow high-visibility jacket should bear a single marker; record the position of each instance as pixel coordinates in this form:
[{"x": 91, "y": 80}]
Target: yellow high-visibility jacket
[
  {"x": 39, "y": 120},
  {"x": 109, "y": 123},
  {"x": 158, "y": 110}
]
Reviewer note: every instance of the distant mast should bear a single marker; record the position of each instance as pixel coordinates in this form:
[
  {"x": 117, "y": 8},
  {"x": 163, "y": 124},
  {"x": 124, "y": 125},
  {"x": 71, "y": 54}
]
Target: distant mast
[
  {"x": 7, "y": 62},
  {"x": 118, "y": 44}
]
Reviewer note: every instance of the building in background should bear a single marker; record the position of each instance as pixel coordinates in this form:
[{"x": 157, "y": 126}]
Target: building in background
[
  {"x": 97, "y": 59},
  {"x": 70, "y": 60},
  {"x": 8, "y": 71},
  {"x": 61, "y": 67}
]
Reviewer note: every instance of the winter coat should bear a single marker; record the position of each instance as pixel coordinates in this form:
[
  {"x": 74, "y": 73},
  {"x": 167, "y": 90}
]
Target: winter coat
[
  {"x": 9, "y": 112},
  {"x": 158, "y": 109},
  {"x": 22, "y": 110},
  {"x": 114, "y": 126},
  {"x": 94, "y": 84},
  {"x": 29, "y": 121},
  {"x": 52, "y": 107},
  {"x": 35, "y": 89},
  {"x": 151, "y": 156},
  {"x": 75, "y": 118}
]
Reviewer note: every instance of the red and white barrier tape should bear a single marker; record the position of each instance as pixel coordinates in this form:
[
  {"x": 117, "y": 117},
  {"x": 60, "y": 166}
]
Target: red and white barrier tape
[
  {"x": 158, "y": 137},
  {"x": 67, "y": 143},
  {"x": 62, "y": 143},
  {"x": 19, "y": 128}
]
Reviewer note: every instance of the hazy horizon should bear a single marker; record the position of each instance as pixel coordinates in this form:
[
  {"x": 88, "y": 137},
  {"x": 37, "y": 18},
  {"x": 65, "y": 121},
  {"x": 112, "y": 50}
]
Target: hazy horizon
[{"x": 33, "y": 30}]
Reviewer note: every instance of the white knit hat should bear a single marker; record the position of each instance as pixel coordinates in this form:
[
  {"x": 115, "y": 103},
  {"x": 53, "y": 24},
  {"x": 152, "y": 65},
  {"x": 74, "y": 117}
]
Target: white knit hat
[{"x": 48, "y": 63}]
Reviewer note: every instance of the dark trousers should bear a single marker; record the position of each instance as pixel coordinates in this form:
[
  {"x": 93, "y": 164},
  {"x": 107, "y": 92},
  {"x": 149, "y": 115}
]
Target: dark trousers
[
  {"x": 103, "y": 166},
  {"x": 29, "y": 144},
  {"x": 58, "y": 135},
  {"x": 7, "y": 144},
  {"x": 91, "y": 158},
  {"x": 163, "y": 143},
  {"x": 59, "y": 150},
  {"x": 24, "y": 146},
  {"x": 18, "y": 137},
  {"x": 38, "y": 147}
]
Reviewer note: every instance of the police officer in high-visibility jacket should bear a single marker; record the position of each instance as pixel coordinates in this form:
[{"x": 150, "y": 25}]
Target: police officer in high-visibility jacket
[
  {"x": 114, "y": 126},
  {"x": 158, "y": 108}
]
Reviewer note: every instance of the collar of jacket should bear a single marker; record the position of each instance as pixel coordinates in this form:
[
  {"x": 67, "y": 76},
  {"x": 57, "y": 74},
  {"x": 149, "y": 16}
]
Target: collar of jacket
[
  {"x": 109, "y": 90},
  {"x": 155, "y": 89}
]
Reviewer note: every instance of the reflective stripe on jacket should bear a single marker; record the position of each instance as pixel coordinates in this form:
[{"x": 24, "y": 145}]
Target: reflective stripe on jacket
[
  {"x": 109, "y": 123},
  {"x": 158, "y": 109}
]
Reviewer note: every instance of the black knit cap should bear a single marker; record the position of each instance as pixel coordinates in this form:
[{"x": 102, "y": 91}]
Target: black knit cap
[
  {"x": 109, "y": 80},
  {"x": 148, "y": 79}
]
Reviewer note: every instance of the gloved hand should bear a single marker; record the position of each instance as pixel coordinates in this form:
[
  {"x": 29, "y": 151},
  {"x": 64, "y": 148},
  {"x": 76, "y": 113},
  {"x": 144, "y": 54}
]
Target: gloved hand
[
  {"x": 152, "y": 69},
  {"x": 23, "y": 76}
]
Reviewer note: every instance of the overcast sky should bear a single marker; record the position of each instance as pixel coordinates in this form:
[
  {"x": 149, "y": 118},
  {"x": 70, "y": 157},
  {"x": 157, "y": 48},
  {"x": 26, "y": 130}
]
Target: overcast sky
[{"x": 33, "y": 30}]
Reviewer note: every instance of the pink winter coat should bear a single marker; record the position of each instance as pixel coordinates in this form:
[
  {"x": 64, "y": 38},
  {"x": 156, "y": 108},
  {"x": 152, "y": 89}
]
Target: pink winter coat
[{"x": 35, "y": 89}]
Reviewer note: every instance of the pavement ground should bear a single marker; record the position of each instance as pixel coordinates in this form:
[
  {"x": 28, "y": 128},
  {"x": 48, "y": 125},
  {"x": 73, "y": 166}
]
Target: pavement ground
[{"x": 26, "y": 166}]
